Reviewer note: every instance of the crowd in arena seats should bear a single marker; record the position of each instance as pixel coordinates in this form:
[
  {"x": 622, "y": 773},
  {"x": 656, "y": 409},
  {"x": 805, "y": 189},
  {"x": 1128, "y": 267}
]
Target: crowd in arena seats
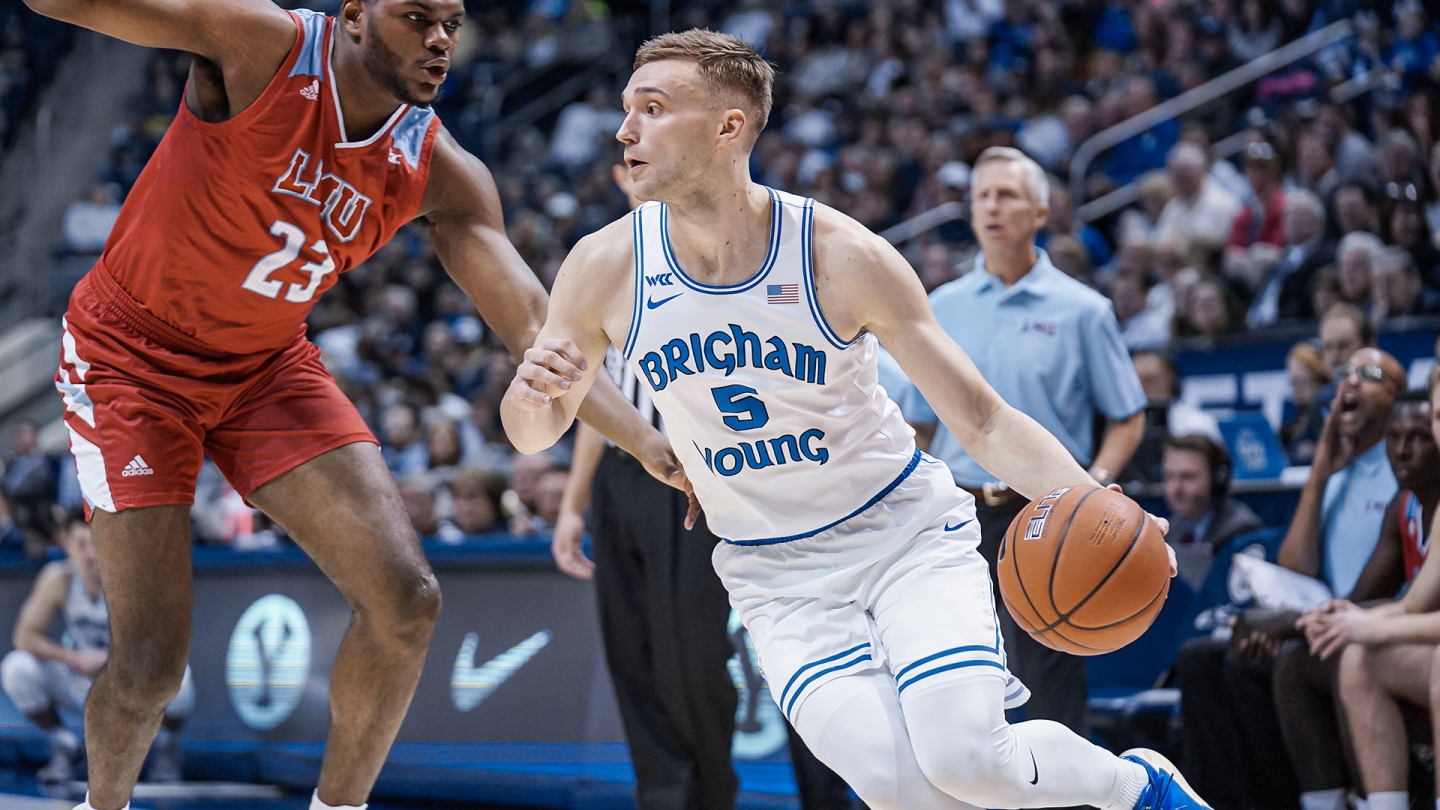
[
  {"x": 880, "y": 107},
  {"x": 30, "y": 48}
]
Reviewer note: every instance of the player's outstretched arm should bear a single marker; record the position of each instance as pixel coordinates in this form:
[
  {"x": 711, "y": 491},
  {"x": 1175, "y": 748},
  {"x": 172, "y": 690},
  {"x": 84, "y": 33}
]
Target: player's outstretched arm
[
  {"x": 467, "y": 226},
  {"x": 559, "y": 370},
  {"x": 865, "y": 285},
  {"x": 241, "y": 36}
]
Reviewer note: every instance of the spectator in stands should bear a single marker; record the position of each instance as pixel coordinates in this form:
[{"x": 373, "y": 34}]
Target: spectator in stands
[
  {"x": 582, "y": 127},
  {"x": 1343, "y": 331},
  {"x": 1356, "y": 255},
  {"x": 29, "y": 484},
  {"x": 522, "y": 500},
  {"x": 88, "y": 222},
  {"x": 1255, "y": 31},
  {"x": 1146, "y": 151},
  {"x": 1203, "y": 518},
  {"x": 1355, "y": 208},
  {"x": 1156, "y": 191},
  {"x": 1209, "y": 311},
  {"x": 1201, "y": 207},
  {"x": 1397, "y": 288},
  {"x": 475, "y": 495},
  {"x": 1308, "y": 374},
  {"x": 417, "y": 491},
  {"x": 1062, "y": 223},
  {"x": 1405, "y": 228},
  {"x": 1140, "y": 328},
  {"x": 442, "y": 443},
  {"x": 1401, "y": 164},
  {"x": 1325, "y": 290},
  {"x": 1314, "y": 165},
  {"x": 1285, "y": 293},
  {"x": 1307, "y": 673},
  {"x": 10, "y": 535},
  {"x": 404, "y": 452},
  {"x": 549, "y": 492},
  {"x": 1262, "y": 220},
  {"x": 42, "y": 677},
  {"x": 1227, "y": 707},
  {"x": 1160, "y": 380}
]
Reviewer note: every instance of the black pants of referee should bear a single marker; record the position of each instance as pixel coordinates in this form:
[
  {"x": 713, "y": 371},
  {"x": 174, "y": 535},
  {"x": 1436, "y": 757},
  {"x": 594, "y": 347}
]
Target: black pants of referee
[
  {"x": 664, "y": 616},
  {"x": 1056, "y": 680}
]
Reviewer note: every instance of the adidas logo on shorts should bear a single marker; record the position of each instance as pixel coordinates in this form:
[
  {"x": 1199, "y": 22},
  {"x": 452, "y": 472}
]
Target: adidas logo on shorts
[{"x": 137, "y": 466}]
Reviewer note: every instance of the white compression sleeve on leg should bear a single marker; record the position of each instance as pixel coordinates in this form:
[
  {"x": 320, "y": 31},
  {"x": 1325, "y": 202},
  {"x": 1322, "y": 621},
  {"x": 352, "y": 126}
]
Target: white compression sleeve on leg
[
  {"x": 854, "y": 725},
  {"x": 967, "y": 749},
  {"x": 316, "y": 804}
]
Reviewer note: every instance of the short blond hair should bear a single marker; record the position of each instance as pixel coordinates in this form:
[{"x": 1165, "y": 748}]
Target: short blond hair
[{"x": 726, "y": 62}]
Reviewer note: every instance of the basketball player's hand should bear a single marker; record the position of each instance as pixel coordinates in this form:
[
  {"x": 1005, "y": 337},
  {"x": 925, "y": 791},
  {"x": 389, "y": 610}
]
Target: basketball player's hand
[
  {"x": 566, "y": 547},
  {"x": 1164, "y": 529},
  {"x": 549, "y": 369},
  {"x": 87, "y": 662},
  {"x": 659, "y": 460}
]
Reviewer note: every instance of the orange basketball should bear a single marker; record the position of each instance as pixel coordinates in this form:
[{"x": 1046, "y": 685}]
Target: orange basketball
[{"x": 1084, "y": 570}]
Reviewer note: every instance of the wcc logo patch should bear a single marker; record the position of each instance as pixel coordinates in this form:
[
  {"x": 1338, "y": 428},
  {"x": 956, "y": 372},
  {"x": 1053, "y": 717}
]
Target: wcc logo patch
[{"x": 268, "y": 661}]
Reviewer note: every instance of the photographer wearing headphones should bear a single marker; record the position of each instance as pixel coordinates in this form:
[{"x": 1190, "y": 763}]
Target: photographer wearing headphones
[{"x": 1202, "y": 516}]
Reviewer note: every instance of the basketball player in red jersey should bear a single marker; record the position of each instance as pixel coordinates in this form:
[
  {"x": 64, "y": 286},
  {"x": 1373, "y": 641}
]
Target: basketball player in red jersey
[{"x": 302, "y": 145}]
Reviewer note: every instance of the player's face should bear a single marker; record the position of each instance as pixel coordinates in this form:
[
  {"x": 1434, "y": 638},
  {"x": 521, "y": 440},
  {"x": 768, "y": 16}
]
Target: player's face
[
  {"x": 1002, "y": 212},
  {"x": 1411, "y": 448},
  {"x": 407, "y": 45},
  {"x": 670, "y": 129}
]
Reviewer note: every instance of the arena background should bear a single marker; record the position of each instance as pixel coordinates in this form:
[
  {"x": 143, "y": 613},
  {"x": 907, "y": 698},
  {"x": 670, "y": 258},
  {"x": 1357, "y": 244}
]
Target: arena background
[{"x": 880, "y": 108}]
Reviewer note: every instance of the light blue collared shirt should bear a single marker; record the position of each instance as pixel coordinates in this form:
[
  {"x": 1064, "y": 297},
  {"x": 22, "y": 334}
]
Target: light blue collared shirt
[
  {"x": 1049, "y": 345},
  {"x": 1350, "y": 516}
]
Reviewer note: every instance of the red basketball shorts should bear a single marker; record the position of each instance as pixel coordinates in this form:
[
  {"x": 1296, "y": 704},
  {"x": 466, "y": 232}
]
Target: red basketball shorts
[{"x": 145, "y": 403}]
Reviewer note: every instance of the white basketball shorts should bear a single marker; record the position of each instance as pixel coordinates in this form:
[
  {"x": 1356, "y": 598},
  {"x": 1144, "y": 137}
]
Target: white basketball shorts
[{"x": 899, "y": 587}]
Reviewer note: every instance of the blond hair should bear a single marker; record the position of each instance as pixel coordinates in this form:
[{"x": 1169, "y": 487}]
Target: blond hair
[{"x": 726, "y": 62}]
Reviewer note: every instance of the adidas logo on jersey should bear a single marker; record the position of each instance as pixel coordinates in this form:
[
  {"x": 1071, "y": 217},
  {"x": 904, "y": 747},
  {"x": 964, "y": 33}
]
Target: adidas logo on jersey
[
  {"x": 137, "y": 466},
  {"x": 313, "y": 91}
]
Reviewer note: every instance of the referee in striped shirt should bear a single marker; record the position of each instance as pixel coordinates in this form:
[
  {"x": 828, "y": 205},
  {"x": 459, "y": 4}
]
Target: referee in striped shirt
[{"x": 664, "y": 618}]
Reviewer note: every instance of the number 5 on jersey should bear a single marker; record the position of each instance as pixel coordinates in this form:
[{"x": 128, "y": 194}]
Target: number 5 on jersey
[{"x": 259, "y": 281}]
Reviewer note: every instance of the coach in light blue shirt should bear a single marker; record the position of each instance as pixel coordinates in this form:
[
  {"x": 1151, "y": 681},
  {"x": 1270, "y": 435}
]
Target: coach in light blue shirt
[{"x": 1050, "y": 347}]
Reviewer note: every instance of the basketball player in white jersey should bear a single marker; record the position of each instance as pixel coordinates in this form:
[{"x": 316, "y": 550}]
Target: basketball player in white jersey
[{"x": 753, "y": 316}]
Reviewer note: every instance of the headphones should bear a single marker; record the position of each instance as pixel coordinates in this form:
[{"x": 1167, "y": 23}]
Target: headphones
[{"x": 1221, "y": 471}]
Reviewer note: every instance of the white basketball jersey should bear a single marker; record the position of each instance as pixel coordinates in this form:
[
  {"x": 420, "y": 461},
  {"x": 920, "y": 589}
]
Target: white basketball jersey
[{"x": 781, "y": 426}]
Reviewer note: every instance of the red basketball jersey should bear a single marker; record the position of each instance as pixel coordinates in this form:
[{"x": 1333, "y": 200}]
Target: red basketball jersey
[
  {"x": 235, "y": 229},
  {"x": 1414, "y": 543}
]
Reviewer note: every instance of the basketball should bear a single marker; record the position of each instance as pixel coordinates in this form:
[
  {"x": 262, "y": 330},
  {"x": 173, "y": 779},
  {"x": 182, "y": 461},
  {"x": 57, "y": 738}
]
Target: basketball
[{"x": 1084, "y": 570}]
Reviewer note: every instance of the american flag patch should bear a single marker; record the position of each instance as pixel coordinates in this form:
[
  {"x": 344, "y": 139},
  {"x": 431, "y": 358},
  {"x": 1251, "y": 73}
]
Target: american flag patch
[{"x": 782, "y": 293}]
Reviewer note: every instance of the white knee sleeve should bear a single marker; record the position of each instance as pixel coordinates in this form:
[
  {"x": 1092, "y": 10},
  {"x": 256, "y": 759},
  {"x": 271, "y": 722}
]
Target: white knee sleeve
[
  {"x": 965, "y": 748},
  {"x": 854, "y": 725},
  {"x": 23, "y": 678}
]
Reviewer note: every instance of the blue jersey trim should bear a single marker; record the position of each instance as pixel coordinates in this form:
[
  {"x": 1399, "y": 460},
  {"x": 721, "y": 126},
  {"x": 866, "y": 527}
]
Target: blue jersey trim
[
  {"x": 725, "y": 289},
  {"x": 409, "y": 135},
  {"x": 800, "y": 690},
  {"x": 807, "y": 270},
  {"x": 637, "y": 228},
  {"x": 948, "y": 667},
  {"x": 312, "y": 46},
  {"x": 770, "y": 541},
  {"x": 814, "y": 664}
]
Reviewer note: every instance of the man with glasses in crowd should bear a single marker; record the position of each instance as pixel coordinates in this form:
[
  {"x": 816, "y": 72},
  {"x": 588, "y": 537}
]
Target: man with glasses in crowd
[{"x": 1227, "y": 705}]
